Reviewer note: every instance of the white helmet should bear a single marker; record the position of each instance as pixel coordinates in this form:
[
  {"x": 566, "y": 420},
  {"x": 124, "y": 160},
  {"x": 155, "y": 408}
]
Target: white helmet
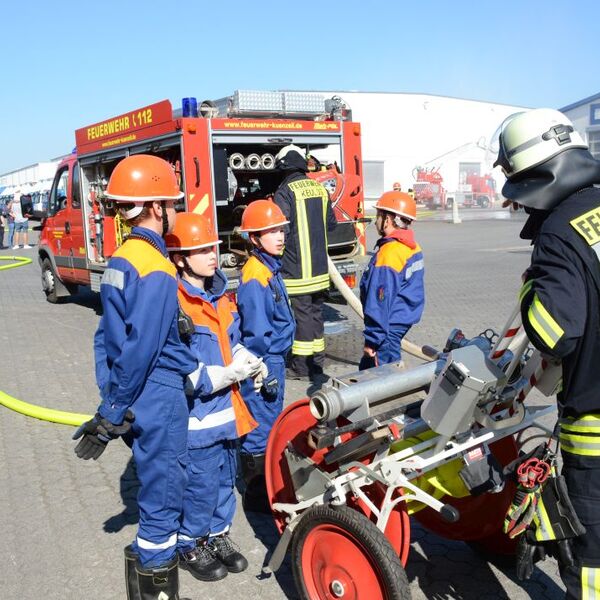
[
  {"x": 289, "y": 148},
  {"x": 530, "y": 138}
]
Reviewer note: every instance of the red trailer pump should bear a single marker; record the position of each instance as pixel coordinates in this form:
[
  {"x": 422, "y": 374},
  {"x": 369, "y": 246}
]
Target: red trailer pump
[{"x": 224, "y": 159}]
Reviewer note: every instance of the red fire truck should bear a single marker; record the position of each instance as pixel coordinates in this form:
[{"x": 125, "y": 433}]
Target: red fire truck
[
  {"x": 224, "y": 159},
  {"x": 428, "y": 188},
  {"x": 480, "y": 190}
]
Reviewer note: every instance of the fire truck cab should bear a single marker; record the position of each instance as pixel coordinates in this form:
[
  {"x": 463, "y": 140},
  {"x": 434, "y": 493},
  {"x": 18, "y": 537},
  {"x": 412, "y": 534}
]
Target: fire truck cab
[{"x": 223, "y": 158}]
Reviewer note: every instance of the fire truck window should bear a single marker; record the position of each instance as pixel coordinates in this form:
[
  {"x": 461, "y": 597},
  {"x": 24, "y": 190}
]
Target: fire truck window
[
  {"x": 75, "y": 190},
  {"x": 58, "y": 194}
]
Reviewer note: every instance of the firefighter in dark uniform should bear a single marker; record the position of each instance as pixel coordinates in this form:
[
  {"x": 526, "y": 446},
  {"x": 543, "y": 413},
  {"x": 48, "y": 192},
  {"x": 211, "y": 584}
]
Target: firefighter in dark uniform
[
  {"x": 551, "y": 173},
  {"x": 306, "y": 205}
]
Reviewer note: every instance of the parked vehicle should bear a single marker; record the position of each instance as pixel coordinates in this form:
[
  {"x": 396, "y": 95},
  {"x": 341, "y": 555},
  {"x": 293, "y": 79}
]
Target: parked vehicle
[{"x": 223, "y": 158}]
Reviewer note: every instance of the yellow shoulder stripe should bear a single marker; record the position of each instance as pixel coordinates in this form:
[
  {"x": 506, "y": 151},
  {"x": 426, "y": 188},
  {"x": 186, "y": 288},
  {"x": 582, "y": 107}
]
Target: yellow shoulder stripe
[
  {"x": 144, "y": 258},
  {"x": 254, "y": 269},
  {"x": 394, "y": 255}
]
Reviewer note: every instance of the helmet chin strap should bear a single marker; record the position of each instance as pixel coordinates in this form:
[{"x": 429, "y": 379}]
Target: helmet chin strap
[{"x": 165, "y": 219}]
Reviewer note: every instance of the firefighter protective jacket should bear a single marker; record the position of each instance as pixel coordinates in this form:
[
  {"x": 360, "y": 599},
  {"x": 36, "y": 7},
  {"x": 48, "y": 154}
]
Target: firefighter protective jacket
[
  {"x": 138, "y": 332},
  {"x": 306, "y": 205},
  {"x": 391, "y": 289},
  {"x": 267, "y": 322},
  {"x": 220, "y": 415},
  {"x": 560, "y": 300}
]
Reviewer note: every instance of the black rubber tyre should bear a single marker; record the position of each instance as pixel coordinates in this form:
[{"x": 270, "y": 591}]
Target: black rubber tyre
[
  {"x": 338, "y": 547},
  {"x": 483, "y": 201},
  {"x": 49, "y": 281}
]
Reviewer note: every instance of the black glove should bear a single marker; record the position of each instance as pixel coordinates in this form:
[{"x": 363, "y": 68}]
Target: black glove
[
  {"x": 97, "y": 433},
  {"x": 271, "y": 387},
  {"x": 528, "y": 553}
]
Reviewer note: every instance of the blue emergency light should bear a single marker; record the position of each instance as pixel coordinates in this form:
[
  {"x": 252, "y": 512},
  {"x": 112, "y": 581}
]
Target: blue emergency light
[{"x": 189, "y": 107}]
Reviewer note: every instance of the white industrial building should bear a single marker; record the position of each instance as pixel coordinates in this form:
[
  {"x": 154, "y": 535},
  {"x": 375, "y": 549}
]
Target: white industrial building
[
  {"x": 585, "y": 115},
  {"x": 402, "y": 131}
]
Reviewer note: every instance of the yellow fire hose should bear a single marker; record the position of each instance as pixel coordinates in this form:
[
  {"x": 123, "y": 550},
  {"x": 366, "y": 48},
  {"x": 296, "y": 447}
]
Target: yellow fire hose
[
  {"x": 43, "y": 413},
  {"x": 31, "y": 410},
  {"x": 20, "y": 262}
]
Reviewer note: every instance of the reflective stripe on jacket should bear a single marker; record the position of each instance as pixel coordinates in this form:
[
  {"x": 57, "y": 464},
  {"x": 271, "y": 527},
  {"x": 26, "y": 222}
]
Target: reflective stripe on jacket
[
  {"x": 307, "y": 206},
  {"x": 220, "y": 415},
  {"x": 580, "y": 435}
]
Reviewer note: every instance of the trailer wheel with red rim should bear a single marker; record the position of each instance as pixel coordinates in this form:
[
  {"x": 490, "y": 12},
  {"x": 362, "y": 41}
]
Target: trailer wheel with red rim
[
  {"x": 338, "y": 553},
  {"x": 291, "y": 427}
]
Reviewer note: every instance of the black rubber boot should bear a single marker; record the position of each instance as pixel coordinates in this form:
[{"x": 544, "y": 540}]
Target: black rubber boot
[
  {"x": 255, "y": 496},
  {"x": 131, "y": 580},
  {"x": 159, "y": 583},
  {"x": 226, "y": 551},
  {"x": 202, "y": 563}
]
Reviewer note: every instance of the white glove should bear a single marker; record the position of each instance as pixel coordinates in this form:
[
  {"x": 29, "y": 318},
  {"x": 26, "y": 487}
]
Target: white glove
[
  {"x": 259, "y": 378},
  {"x": 245, "y": 365},
  {"x": 241, "y": 368},
  {"x": 239, "y": 350}
]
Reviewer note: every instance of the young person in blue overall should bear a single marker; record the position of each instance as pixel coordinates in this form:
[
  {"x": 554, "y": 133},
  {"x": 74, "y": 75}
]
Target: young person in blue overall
[
  {"x": 218, "y": 416},
  {"x": 391, "y": 289},
  {"x": 268, "y": 327},
  {"x": 141, "y": 365}
]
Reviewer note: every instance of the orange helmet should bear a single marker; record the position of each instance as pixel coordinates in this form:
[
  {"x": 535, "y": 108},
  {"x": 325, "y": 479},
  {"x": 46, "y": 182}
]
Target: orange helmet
[
  {"x": 398, "y": 203},
  {"x": 261, "y": 215},
  {"x": 141, "y": 178},
  {"x": 191, "y": 231}
]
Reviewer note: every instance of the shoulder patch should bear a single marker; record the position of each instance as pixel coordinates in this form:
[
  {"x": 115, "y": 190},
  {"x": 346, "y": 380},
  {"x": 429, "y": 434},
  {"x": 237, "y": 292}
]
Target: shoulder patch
[
  {"x": 587, "y": 226},
  {"x": 254, "y": 269},
  {"x": 145, "y": 259}
]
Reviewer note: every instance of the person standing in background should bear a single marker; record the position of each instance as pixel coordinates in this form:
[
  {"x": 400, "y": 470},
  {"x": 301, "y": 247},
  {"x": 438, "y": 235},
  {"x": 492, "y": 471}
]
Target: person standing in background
[
  {"x": 21, "y": 222},
  {"x": 307, "y": 206}
]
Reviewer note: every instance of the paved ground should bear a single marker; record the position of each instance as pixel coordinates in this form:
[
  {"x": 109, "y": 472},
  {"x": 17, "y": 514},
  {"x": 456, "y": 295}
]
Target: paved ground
[{"x": 64, "y": 522}]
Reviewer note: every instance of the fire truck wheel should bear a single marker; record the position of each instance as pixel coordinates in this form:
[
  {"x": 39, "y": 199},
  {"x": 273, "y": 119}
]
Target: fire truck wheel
[
  {"x": 49, "y": 281},
  {"x": 338, "y": 553}
]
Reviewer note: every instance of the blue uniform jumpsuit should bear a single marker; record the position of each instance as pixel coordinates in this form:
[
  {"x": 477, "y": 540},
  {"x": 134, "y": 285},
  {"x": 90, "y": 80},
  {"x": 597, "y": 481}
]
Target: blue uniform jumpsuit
[
  {"x": 217, "y": 418},
  {"x": 392, "y": 294},
  {"x": 141, "y": 364},
  {"x": 560, "y": 308},
  {"x": 267, "y": 327}
]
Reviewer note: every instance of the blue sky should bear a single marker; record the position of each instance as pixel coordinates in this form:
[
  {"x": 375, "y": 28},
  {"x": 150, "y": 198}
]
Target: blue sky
[{"x": 67, "y": 64}]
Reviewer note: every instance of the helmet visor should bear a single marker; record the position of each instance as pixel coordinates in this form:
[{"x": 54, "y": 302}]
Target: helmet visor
[{"x": 497, "y": 145}]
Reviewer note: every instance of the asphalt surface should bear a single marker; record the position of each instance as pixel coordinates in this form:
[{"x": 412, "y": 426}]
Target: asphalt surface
[{"x": 64, "y": 521}]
